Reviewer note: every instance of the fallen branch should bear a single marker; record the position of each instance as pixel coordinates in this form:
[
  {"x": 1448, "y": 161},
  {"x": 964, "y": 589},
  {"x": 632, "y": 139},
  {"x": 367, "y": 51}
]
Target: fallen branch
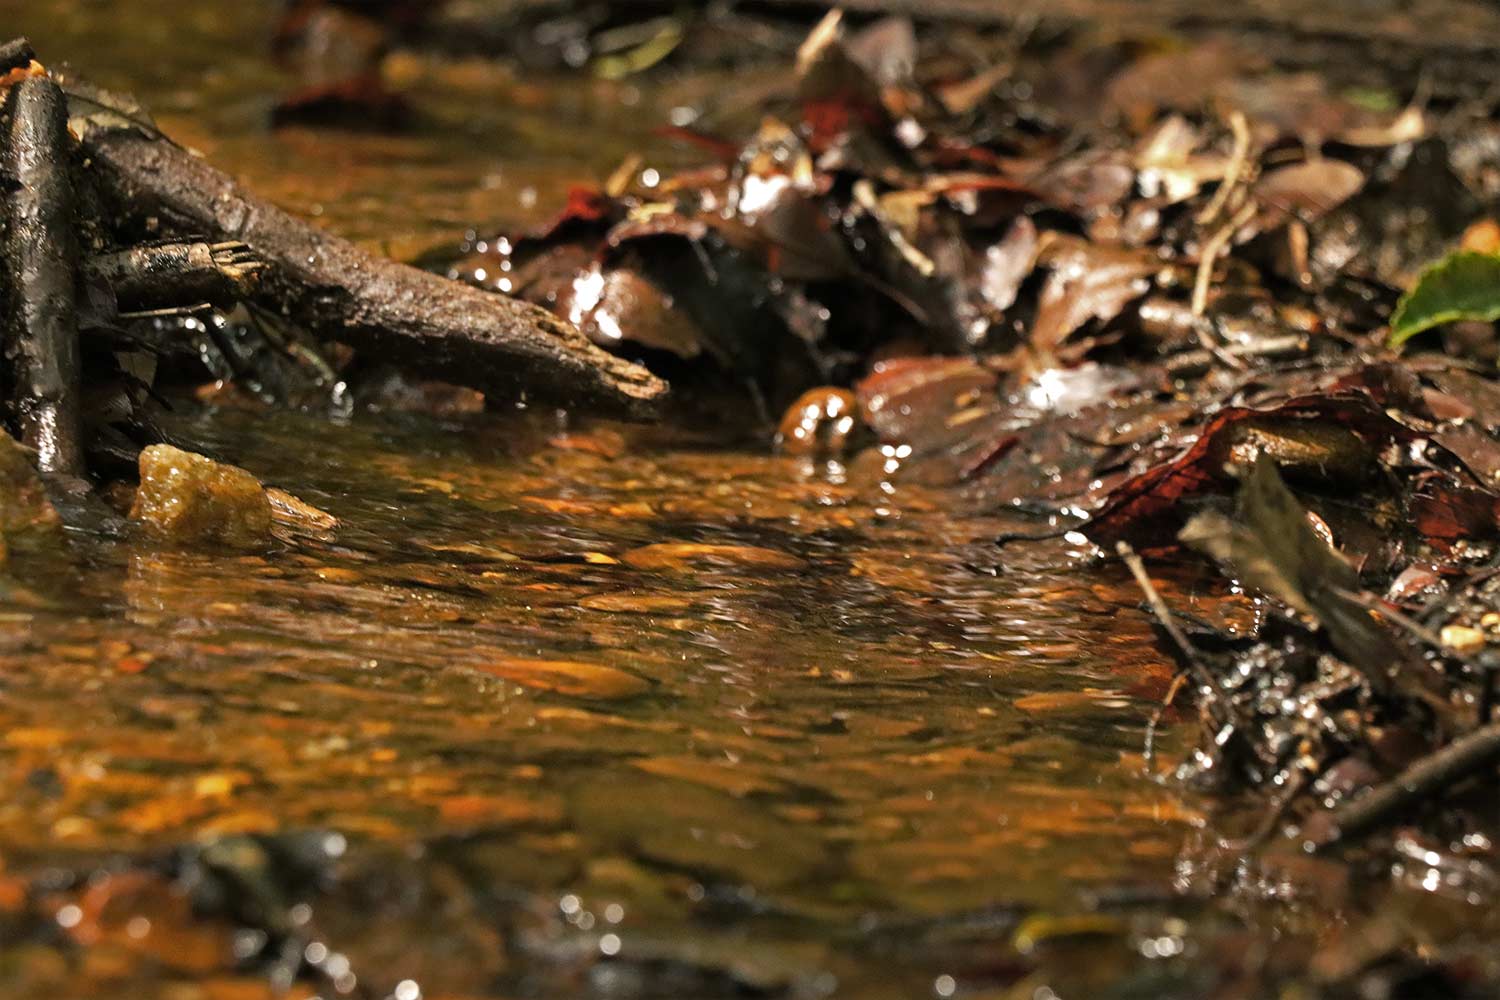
[
  {"x": 1430, "y": 777},
  {"x": 436, "y": 327},
  {"x": 164, "y": 275},
  {"x": 39, "y": 263}
]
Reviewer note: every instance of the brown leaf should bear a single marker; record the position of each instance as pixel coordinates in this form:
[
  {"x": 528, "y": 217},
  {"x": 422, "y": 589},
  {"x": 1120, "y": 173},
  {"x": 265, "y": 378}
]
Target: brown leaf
[
  {"x": 1306, "y": 191},
  {"x": 908, "y": 400},
  {"x": 1146, "y": 508},
  {"x": 1087, "y": 282},
  {"x": 1271, "y": 547}
]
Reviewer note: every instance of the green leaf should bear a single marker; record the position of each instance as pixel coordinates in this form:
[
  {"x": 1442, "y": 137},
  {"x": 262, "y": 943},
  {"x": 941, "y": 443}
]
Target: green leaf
[{"x": 1463, "y": 285}]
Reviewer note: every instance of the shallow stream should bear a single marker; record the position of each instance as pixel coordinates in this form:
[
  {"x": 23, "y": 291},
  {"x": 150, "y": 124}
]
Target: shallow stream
[{"x": 581, "y": 708}]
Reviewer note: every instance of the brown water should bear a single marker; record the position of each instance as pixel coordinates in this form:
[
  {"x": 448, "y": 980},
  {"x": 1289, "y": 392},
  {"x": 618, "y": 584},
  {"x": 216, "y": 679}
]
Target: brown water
[{"x": 598, "y": 710}]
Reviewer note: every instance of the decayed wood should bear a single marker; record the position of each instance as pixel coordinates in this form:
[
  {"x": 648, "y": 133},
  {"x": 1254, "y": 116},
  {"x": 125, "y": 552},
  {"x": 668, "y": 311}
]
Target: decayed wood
[
  {"x": 429, "y": 324},
  {"x": 174, "y": 274},
  {"x": 39, "y": 263}
]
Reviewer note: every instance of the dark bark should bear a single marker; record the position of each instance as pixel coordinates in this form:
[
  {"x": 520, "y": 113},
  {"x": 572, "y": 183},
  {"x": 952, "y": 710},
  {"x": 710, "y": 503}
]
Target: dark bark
[
  {"x": 39, "y": 262},
  {"x": 436, "y": 327},
  {"x": 174, "y": 274}
]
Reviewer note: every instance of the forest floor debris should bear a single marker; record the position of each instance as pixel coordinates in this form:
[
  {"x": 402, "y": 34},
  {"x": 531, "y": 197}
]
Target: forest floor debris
[
  {"x": 1176, "y": 300},
  {"x": 1120, "y": 318}
]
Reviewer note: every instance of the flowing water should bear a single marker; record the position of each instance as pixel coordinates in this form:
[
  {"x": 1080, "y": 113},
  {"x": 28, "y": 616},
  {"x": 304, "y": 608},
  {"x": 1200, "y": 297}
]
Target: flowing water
[{"x": 568, "y": 708}]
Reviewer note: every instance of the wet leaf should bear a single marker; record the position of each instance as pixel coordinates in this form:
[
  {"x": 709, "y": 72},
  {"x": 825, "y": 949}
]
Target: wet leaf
[
  {"x": 1461, "y": 286},
  {"x": 1007, "y": 263},
  {"x": 614, "y": 305},
  {"x": 496, "y": 811},
  {"x": 1149, "y": 507},
  {"x": 1087, "y": 282},
  {"x": 720, "y": 775},
  {"x": 1271, "y": 547},
  {"x": 636, "y": 603},
  {"x": 909, "y": 400},
  {"x": 1447, "y": 515}
]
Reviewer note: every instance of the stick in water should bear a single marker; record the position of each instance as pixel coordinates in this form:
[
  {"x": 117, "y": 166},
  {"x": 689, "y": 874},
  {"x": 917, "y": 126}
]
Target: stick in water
[
  {"x": 1430, "y": 777},
  {"x": 39, "y": 261},
  {"x": 435, "y": 327}
]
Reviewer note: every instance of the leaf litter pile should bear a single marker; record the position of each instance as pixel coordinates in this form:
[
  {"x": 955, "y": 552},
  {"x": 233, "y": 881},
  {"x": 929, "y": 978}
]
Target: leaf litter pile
[
  {"x": 1164, "y": 301},
  {"x": 1203, "y": 312}
]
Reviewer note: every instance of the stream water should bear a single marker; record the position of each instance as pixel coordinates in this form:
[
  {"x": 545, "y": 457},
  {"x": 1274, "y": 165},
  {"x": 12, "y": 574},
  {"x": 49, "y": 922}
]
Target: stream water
[{"x": 580, "y": 708}]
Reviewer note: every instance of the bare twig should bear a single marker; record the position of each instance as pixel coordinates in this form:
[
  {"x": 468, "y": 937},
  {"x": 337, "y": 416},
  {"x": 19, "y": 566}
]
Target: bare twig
[
  {"x": 190, "y": 309},
  {"x": 1168, "y": 622},
  {"x": 1208, "y": 256},
  {"x": 1148, "y": 754},
  {"x": 1431, "y": 777},
  {"x": 1233, "y": 171}
]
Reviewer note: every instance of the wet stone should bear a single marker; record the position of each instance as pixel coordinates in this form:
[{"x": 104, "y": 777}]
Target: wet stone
[
  {"x": 819, "y": 422},
  {"x": 187, "y": 498}
]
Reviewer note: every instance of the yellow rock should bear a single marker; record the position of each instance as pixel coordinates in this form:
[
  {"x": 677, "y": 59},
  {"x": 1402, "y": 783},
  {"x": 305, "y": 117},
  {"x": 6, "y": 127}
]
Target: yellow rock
[
  {"x": 185, "y": 497},
  {"x": 1462, "y": 638}
]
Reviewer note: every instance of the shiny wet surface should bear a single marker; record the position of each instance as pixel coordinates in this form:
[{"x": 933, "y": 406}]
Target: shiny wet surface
[
  {"x": 642, "y": 667},
  {"x": 597, "y": 710}
]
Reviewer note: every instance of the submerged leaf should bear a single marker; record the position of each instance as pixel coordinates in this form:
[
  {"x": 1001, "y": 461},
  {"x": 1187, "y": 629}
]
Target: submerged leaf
[
  {"x": 578, "y": 680},
  {"x": 1461, "y": 286}
]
